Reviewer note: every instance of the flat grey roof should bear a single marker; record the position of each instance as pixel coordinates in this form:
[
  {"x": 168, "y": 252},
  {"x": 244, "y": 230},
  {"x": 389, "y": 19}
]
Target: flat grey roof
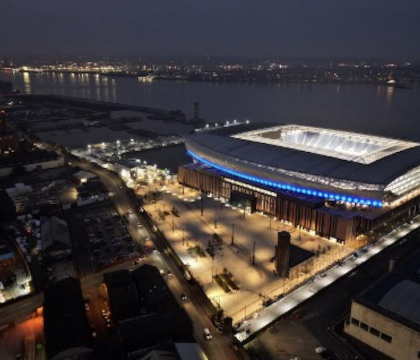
[{"x": 403, "y": 299}]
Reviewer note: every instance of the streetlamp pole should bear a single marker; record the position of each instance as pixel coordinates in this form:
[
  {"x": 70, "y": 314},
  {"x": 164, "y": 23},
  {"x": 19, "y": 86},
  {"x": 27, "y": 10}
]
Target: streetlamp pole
[
  {"x": 269, "y": 215},
  {"x": 253, "y": 254},
  {"x": 173, "y": 224},
  {"x": 215, "y": 219},
  {"x": 233, "y": 234},
  {"x": 202, "y": 204},
  {"x": 183, "y": 235},
  {"x": 212, "y": 269}
]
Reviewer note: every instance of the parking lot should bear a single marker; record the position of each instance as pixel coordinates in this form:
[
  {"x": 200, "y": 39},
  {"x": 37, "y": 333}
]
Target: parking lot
[
  {"x": 100, "y": 238},
  {"x": 108, "y": 238}
]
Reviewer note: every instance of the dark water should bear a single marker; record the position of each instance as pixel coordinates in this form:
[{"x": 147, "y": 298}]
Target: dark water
[
  {"x": 363, "y": 108},
  {"x": 166, "y": 158}
]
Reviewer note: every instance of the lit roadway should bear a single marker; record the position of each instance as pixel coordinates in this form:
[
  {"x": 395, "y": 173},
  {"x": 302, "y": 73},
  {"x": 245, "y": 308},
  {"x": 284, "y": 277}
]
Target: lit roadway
[
  {"x": 360, "y": 274},
  {"x": 219, "y": 346}
]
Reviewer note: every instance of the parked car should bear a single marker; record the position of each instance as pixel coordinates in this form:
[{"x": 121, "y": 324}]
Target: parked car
[
  {"x": 207, "y": 334},
  {"x": 320, "y": 349}
]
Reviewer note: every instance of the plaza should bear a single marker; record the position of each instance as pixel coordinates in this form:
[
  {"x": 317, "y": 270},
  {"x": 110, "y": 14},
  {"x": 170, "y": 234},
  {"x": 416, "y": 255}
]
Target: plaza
[{"x": 213, "y": 238}]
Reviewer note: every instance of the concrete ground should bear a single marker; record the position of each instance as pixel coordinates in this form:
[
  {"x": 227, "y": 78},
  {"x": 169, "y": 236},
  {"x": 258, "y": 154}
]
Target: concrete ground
[
  {"x": 193, "y": 224},
  {"x": 286, "y": 339}
]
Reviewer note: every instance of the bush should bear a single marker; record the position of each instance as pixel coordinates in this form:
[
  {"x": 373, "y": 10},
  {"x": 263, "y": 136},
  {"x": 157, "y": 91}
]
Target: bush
[
  {"x": 221, "y": 283},
  {"x": 229, "y": 282}
]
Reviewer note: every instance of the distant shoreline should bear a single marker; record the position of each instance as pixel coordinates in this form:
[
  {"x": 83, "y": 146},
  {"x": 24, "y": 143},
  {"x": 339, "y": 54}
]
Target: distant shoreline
[{"x": 231, "y": 78}]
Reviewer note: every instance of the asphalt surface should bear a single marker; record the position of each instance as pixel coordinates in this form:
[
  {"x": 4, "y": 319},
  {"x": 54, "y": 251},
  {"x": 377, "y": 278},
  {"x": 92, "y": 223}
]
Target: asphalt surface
[
  {"x": 321, "y": 317},
  {"x": 219, "y": 347},
  {"x": 318, "y": 317}
]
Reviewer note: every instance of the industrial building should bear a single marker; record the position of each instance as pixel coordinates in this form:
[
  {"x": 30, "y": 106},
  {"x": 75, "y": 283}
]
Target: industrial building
[
  {"x": 387, "y": 316},
  {"x": 66, "y": 327},
  {"x": 146, "y": 313},
  {"x": 336, "y": 184}
]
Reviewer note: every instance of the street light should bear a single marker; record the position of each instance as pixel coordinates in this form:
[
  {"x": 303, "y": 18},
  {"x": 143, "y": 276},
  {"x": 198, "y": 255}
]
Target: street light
[
  {"x": 183, "y": 235},
  {"x": 173, "y": 224},
  {"x": 233, "y": 234},
  {"x": 215, "y": 219},
  {"x": 212, "y": 258},
  {"x": 202, "y": 203}
]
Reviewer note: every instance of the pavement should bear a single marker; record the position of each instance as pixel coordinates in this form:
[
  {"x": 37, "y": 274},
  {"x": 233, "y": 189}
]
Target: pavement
[
  {"x": 310, "y": 289},
  {"x": 319, "y": 320},
  {"x": 257, "y": 282},
  {"x": 196, "y": 225},
  {"x": 219, "y": 348}
]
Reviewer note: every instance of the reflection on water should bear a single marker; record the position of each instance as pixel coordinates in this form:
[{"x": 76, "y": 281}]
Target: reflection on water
[
  {"x": 27, "y": 82},
  {"x": 89, "y": 86},
  {"x": 372, "y": 109},
  {"x": 389, "y": 93}
]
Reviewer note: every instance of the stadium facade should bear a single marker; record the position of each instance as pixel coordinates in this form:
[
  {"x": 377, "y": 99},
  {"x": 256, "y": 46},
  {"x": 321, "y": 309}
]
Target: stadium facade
[{"x": 338, "y": 184}]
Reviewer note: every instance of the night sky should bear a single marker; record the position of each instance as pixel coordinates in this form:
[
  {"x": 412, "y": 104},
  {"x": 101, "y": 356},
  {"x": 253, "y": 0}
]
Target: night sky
[{"x": 296, "y": 28}]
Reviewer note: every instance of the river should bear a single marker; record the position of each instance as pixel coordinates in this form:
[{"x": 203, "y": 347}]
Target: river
[{"x": 378, "y": 110}]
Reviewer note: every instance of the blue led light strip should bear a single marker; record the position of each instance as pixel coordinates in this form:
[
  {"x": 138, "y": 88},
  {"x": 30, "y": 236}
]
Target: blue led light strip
[{"x": 292, "y": 188}]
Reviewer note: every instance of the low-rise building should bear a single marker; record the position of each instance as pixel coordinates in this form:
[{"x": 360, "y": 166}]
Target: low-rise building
[
  {"x": 91, "y": 192},
  {"x": 29, "y": 161},
  {"x": 66, "y": 327},
  {"x": 55, "y": 237},
  {"x": 146, "y": 313},
  {"x": 82, "y": 177},
  {"x": 387, "y": 316}
]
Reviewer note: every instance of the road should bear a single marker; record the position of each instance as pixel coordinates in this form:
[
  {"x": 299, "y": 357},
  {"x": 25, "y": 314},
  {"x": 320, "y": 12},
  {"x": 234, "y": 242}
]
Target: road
[
  {"x": 322, "y": 315},
  {"x": 337, "y": 296},
  {"x": 14, "y": 312},
  {"x": 216, "y": 349}
]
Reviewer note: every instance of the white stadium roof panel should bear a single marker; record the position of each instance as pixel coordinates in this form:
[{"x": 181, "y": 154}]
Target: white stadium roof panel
[
  {"x": 344, "y": 145},
  {"x": 379, "y": 161}
]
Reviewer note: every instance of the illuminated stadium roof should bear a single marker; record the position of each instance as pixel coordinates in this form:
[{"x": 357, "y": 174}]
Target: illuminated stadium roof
[
  {"x": 360, "y": 148},
  {"x": 345, "y": 166}
]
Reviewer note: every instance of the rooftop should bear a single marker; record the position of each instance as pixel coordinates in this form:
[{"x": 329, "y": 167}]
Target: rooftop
[
  {"x": 360, "y": 148},
  {"x": 410, "y": 292},
  {"x": 397, "y": 295},
  {"x": 65, "y": 323}
]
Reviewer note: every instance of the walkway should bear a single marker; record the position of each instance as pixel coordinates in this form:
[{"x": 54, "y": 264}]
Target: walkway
[{"x": 289, "y": 302}]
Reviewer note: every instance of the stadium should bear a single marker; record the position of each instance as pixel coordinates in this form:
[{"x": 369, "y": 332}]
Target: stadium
[{"x": 338, "y": 184}]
